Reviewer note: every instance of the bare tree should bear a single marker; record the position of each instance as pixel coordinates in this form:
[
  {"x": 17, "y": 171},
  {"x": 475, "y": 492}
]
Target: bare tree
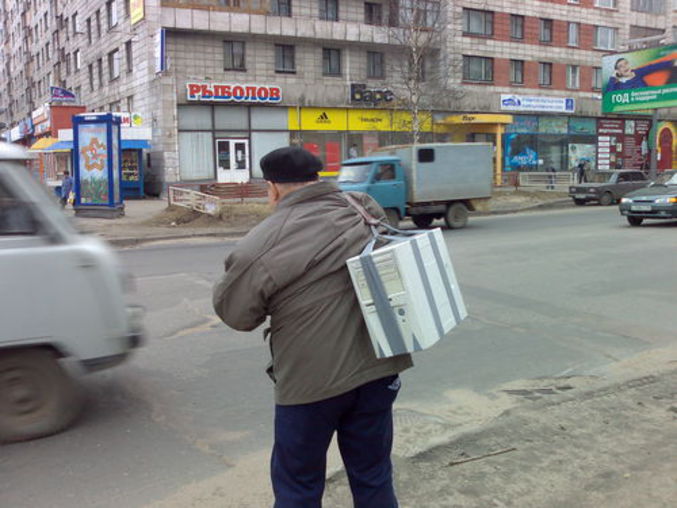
[{"x": 418, "y": 29}]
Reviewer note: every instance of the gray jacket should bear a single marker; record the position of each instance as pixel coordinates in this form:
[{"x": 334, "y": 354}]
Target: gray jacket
[{"x": 291, "y": 267}]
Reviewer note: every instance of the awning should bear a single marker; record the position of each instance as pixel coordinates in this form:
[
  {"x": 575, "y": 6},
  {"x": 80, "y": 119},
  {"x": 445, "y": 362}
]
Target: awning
[
  {"x": 61, "y": 146},
  {"x": 42, "y": 144},
  {"x": 137, "y": 144},
  {"x": 127, "y": 144}
]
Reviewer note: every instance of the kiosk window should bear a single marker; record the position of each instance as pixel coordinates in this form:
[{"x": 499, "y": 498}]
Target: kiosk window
[{"x": 426, "y": 155}]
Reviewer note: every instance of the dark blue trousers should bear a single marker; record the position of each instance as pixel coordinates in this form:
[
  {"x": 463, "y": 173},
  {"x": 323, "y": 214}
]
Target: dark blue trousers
[{"x": 363, "y": 421}]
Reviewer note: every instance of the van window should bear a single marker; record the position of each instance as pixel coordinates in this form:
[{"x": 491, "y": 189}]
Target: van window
[
  {"x": 426, "y": 155},
  {"x": 16, "y": 217},
  {"x": 385, "y": 172}
]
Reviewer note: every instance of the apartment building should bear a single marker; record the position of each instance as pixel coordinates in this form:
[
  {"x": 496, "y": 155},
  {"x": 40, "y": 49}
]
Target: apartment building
[{"x": 222, "y": 82}]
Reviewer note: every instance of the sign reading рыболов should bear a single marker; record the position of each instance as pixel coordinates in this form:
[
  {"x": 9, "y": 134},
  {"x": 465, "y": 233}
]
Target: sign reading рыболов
[{"x": 233, "y": 92}]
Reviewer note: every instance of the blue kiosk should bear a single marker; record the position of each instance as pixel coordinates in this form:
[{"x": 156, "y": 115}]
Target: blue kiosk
[{"x": 97, "y": 166}]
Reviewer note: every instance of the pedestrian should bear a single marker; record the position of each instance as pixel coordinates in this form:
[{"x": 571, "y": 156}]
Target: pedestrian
[
  {"x": 352, "y": 151},
  {"x": 66, "y": 188},
  {"x": 552, "y": 176},
  {"x": 581, "y": 171},
  {"x": 291, "y": 267}
]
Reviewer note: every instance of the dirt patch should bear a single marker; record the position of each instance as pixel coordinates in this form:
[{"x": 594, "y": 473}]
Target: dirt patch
[{"x": 245, "y": 214}]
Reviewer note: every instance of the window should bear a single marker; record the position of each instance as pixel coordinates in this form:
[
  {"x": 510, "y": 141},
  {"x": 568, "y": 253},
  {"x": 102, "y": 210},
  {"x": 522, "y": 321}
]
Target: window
[
  {"x": 417, "y": 69},
  {"x": 76, "y": 60},
  {"x": 114, "y": 64},
  {"x": 111, "y": 13},
  {"x": 233, "y": 56},
  {"x": 329, "y": 10},
  {"x": 99, "y": 64},
  {"x": 640, "y": 32},
  {"x": 426, "y": 155},
  {"x": 516, "y": 26},
  {"x": 375, "y": 67},
  {"x": 597, "y": 78},
  {"x": 281, "y": 7},
  {"x": 385, "y": 172},
  {"x": 373, "y": 14},
  {"x": 573, "y": 77},
  {"x": 68, "y": 64},
  {"x": 651, "y": 6},
  {"x": 126, "y": 4},
  {"x": 416, "y": 13},
  {"x": 478, "y": 68},
  {"x": 285, "y": 58},
  {"x": 478, "y": 22},
  {"x": 331, "y": 62},
  {"x": 90, "y": 68},
  {"x": 47, "y": 52},
  {"x": 130, "y": 103},
  {"x": 16, "y": 216},
  {"x": 517, "y": 72},
  {"x": 545, "y": 74},
  {"x": 129, "y": 55},
  {"x": 546, "y": 30},
  {"x": 98, "y": 24},
  {"x": 605, "y": 37},
  {"x": 89, "y": 30},
  {"x": 609, "y": 4},
  {"x": 573, "y": 31}
]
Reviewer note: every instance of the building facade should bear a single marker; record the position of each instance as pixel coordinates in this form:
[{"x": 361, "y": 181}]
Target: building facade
[{"x": 222, "y": 82}]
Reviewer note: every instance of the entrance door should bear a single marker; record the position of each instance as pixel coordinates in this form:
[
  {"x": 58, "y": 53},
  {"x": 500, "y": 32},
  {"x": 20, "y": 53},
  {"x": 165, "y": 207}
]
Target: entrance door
[
  {"x": 232, "y": 160},
  {"x": 665, "y": 143}
]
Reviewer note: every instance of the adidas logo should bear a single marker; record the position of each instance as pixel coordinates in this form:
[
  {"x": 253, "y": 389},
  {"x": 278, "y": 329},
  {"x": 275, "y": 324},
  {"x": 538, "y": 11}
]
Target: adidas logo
[{"x": 323, "y": 118}]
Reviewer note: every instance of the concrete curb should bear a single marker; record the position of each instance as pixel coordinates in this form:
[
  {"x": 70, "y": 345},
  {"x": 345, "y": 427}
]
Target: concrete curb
[{"x": 135, "y": 241}]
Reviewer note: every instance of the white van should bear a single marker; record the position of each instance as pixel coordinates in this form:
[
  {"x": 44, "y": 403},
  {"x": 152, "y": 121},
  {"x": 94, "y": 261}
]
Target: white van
[{"x": 61, "y": 296}]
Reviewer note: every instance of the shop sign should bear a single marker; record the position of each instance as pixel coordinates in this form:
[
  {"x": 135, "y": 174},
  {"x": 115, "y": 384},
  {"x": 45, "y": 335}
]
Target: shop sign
[
  {"x": 15, "y": 134},
  {"x": 160, "y": 51},
  {"x": 57, "y": 93},
  {"x": 608, "y": 126},
  {"x": 129, "y": 119},
  {"x": 369, "y": 120},
  {"x": 25, "y": 127},
  {"x": 523, "y": 124},
  {"x": 232, "y": 92},
  {"x": 402, "y": 121},
  {"x": 545, "y": 104},
  {"x": 360, "y": 93},
  {"x": 478, "y": 118},
  {"x": 318, "y": 119}
]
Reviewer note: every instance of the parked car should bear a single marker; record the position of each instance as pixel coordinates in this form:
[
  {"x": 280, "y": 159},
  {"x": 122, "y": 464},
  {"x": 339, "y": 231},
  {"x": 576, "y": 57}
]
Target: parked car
[
  {"x": 658, "y": 200},
  {"x": 607, "y": 187}
]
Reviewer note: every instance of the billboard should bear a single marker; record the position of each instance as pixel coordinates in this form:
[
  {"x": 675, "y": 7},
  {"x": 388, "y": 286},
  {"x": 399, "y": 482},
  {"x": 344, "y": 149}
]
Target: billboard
[{"x": 644, "y": 79}]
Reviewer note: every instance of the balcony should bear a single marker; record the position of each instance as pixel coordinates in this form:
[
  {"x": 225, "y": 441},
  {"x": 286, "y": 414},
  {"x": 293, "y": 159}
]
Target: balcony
[{"x": 246, "y": 6}]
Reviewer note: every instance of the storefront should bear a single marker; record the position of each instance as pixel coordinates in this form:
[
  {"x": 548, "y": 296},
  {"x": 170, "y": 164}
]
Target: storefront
[
  {"x": 476, "y": 128},
  {"x": 225, "y": 130}
]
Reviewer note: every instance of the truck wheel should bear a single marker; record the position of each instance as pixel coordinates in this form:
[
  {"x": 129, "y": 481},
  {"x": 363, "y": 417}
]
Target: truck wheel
[
  {"x": 579, "y": 202},
  {"x": 392, "y": 217},
  {"x": 635, "y": 221},
  {"x": 606, "y": 199},
  {"x": 456, "y": 216},
  {"x": 423, "y": 221},
  {"x": 37, "y": 397}
]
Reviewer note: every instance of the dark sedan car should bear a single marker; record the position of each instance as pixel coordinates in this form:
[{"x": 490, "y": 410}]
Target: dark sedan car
[
  {"x": 607, "y": 187},
  {"x": 657, "y": 201}
]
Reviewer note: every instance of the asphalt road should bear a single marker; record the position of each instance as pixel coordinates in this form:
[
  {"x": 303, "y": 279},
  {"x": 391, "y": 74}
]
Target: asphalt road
[{"x": 187, "y": 422}]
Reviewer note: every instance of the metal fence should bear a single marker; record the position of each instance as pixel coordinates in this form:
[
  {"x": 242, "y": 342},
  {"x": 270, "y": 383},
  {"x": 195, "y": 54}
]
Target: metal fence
[{"x": 546, "y": 180}]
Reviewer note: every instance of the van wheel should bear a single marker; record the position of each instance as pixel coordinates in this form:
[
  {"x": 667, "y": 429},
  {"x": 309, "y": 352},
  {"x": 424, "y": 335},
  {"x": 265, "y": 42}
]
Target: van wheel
[
  {"x": 422, "y": 221},
  {"x": 392, "y": 217},
  {"x": 606, "y": 199},
  {"x": 37, "y": 397},
  {"x": 456, "y": 216},
  {"x": 635, "y": 221}
]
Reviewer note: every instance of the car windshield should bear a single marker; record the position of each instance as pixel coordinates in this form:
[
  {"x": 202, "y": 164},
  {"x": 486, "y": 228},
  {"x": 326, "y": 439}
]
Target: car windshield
[
  {"x": 354, "y": 173},
  {"x": 600, "y": 177},
  {"x": 668, "y": 178}
]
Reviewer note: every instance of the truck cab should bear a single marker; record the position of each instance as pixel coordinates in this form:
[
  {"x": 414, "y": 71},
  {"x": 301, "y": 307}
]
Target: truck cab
[{"x": 383, "y": 178}]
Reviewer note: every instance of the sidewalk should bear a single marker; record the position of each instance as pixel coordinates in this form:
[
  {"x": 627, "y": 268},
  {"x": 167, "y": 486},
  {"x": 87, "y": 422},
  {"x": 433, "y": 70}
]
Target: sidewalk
[
  {"x": 611, "y": 444},
  {"x": 132, "y": 229}
]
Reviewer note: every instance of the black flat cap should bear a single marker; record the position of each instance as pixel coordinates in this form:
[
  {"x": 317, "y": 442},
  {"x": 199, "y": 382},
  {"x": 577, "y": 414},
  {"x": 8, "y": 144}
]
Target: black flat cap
[{"x": 290, "y": 164}]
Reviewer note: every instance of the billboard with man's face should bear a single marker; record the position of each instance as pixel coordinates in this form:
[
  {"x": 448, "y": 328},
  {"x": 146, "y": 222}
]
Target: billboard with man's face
[{"x": 644, "y": 79}]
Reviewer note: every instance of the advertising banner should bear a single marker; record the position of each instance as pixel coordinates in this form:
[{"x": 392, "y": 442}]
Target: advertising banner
[
  {"x": 644, "y": 79},
  {"x": 609, "y": 143},
  {"x": 544, "y": 104},
  {"x": 136, "y": 10},
  {"x": 93, "y": 155}
]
